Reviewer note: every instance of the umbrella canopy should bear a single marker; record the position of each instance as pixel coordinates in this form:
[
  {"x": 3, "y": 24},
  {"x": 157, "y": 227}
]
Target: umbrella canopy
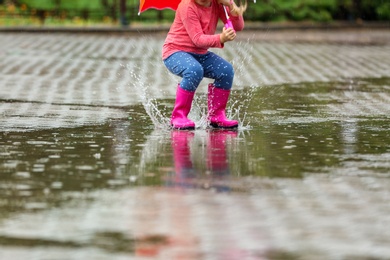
[{"x": 158, "y": 4}]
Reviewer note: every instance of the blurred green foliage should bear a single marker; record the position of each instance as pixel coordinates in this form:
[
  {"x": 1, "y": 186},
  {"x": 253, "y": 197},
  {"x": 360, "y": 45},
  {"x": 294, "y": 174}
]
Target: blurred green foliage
[
  {"x": 63, "y": 4},
  {"x": 318, "y": 10},
  {"x": 296, "y": 10},
  {"x": 363, "y": 9},
  {"x": 84, "y": 8},
  {"x": 263, "y": 10}
]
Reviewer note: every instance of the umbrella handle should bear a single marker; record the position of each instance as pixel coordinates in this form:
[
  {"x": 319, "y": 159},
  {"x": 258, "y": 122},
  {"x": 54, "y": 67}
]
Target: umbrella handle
[{"x": 228, "y": 23}]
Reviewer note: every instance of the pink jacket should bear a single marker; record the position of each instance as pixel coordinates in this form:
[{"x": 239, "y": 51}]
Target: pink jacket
[{"x": 194, "y": 27}]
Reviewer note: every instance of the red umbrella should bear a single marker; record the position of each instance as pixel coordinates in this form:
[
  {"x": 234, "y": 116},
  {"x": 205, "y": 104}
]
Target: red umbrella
[
  {"x": 170, "y": 4},
  {"x": 158, "y": 4}
]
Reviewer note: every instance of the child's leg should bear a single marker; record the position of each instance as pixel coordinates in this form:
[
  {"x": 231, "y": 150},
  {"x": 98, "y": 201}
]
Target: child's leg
[
  {"x": 218, "y": 93},
  {"x": 186, "y": 66},
  {"x": 218, "y": 69}
]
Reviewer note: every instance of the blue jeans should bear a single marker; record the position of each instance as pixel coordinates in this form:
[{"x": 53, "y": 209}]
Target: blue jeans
[{"x": 194, "y": 67}]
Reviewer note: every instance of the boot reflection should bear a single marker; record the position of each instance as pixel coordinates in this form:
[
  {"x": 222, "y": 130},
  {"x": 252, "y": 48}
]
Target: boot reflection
[
  {"x": 217, "y": 156},
  {"x": 216, "y": 162},
  {"x": 184, "y": 170}
]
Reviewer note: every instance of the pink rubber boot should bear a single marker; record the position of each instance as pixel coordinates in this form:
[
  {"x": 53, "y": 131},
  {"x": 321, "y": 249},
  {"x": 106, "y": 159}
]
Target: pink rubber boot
[
  {"x": 217, "y": 100},
  {"x": 181, "y": 110}
]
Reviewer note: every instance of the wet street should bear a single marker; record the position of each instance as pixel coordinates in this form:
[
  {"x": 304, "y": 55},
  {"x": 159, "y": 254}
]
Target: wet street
[{"x": 89, "y": 168}]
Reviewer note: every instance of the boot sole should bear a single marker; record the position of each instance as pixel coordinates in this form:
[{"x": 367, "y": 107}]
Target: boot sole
[
  {"x": 183, "y": 128},
  {"x": 215, "y": 125}
]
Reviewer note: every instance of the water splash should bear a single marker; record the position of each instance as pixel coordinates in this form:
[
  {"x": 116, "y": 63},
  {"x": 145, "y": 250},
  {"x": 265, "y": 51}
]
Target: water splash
[
  {"x": 241, "y": 99},
  {"x": 199, "y": 111},
  {"x": 150, "y": 104},
  {"x": 159, "y": 112}
]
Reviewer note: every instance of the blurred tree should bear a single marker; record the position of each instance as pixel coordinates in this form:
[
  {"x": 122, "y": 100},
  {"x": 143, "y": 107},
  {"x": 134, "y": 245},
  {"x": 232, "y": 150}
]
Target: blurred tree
[
  {"x": 41, "y": 7},
  {"x": 79, "y": 4},
  {"x": 111, "y": 8},
  {"x": 122, "y": 13},
  {"x": 296, "y": 10},
  {"x": 318, "y": 10},
  {"x": 375, "y": 10},
  {"x": 40, "y": 4},
  {"x": 363, "y": 10},
  {"x": 83, "y": 7},
  {"x": 383, "y": 11}
]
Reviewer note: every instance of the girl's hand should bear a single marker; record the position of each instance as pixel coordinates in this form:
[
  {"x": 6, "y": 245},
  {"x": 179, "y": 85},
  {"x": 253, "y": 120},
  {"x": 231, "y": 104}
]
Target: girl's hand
[
  {"x": 234, "y": 9},
  {"x": 227, "y": 35}
]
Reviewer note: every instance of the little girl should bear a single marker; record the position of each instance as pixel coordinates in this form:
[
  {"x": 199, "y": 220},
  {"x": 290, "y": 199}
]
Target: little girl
[{"x": 185, "y": 53}]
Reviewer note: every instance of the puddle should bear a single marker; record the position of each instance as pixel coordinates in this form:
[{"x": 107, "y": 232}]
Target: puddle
[{"x": 288, "y": 132}]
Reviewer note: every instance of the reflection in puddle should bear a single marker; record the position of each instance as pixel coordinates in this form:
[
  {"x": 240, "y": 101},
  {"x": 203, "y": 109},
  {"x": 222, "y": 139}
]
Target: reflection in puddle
[{"x": 215, "y": 171}]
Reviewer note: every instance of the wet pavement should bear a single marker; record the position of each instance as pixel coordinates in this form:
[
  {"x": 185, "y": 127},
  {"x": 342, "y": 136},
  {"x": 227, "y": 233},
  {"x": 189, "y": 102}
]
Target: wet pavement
[{"x": 89, "y": 168}]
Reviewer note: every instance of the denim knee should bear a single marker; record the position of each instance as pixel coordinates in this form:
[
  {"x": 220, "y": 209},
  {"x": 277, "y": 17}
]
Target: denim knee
[
  {"x": 192, "y": 76},
  {"x": 225, "y": 76}
]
